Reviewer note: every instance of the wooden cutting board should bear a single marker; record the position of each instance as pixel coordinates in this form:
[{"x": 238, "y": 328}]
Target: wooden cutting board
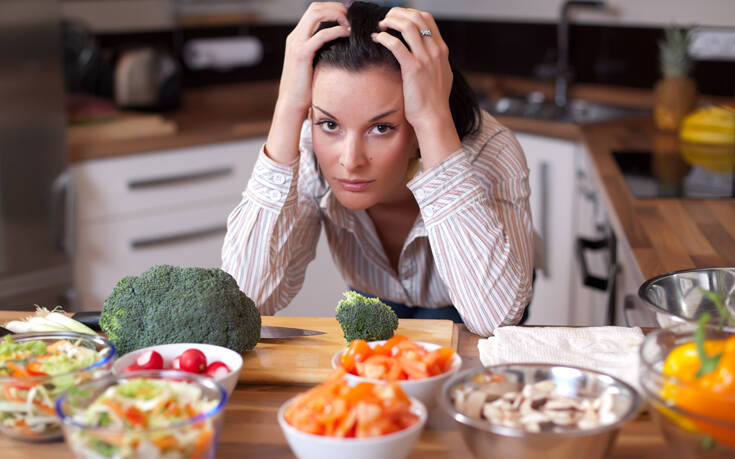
[{"x": 309, "y": 359}]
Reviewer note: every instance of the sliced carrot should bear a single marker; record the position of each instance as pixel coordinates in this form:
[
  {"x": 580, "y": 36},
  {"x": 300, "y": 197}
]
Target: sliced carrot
[
  {"x": 203, "y": 444},
  {"x": 53, "y": 347},
  {"x": 47, "y": 409},
  {"x": 10, "y": 395},
  {"x": 34, "y": 369},
  {"x": 117, "y": 409},
  {"x": 135, "y": 417},
  {"x": 17, "y": 371},
  {"x": 165, "y": 442}
]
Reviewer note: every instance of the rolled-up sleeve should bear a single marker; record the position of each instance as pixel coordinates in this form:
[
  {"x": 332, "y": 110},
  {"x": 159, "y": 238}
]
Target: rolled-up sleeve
[{"x": 271, "y": 236}]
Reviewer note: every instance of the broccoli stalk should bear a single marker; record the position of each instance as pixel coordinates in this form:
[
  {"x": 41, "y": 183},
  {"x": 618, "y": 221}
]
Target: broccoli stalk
[
  {"x": 167, "y": 304},
  {"x": 365, "y": 318}
]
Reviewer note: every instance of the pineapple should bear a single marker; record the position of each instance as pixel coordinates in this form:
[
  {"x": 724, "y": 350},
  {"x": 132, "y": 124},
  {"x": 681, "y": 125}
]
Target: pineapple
[
  {"x": 674, "y": 52},
  {"x": 675, "y": 94}
]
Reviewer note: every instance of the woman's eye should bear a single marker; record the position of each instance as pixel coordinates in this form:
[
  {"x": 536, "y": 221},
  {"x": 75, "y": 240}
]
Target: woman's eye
[
  {"x": 382, "y": 129},
  {"x": 328, "y": 126}
]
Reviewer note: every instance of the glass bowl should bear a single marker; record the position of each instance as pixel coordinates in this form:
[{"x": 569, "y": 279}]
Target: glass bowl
[
  {"x": 689, "y": 434},
  {"x": 26, "y": 402},
  {"x": 194, "y": 437}
]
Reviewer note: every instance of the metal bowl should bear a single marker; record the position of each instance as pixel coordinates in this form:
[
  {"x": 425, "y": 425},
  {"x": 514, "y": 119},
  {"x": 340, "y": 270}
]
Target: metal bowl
[
  {"x": 677, "y": 296},
  {"x": 485, "y": 439}
]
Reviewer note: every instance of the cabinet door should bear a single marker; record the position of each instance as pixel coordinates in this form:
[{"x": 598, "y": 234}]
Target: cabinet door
[
  {"x": 110, "y": 250},
  {"x": 552, "y": 179},
  {"x": 129, "y": 186}
]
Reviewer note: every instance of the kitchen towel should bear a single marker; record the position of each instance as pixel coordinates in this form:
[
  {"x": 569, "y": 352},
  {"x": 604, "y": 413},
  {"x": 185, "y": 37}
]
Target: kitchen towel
[{"x": 612, "y": 350}]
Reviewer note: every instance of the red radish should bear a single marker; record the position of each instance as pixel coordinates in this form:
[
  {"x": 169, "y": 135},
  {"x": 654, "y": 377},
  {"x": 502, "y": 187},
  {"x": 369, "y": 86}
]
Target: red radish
[
  {"x": 132, "y": 367},
  {"x": 217, "y": 370},
  {"x": 193, "y": 361},
  {"x": 150, "y": 360}
]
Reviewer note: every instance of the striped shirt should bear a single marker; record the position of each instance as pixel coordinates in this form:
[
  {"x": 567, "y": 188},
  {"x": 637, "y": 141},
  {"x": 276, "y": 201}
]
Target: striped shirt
[{"x": 471, "y": 245}]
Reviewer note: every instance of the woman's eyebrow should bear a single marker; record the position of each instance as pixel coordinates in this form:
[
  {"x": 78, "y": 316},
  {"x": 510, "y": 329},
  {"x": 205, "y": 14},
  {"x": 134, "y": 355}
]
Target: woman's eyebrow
[{"x": 374, "y": 118}]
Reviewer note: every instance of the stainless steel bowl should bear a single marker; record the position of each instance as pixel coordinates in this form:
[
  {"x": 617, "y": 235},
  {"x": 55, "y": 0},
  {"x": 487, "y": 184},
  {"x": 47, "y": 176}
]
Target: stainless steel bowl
[
  {"x": 485, "y": 439},
  {"x": 677, "y": 296}
]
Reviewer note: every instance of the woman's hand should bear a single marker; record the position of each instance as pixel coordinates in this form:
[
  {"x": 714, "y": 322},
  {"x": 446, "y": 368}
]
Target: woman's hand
[
  {"x": 427, "y": 81},
  {"x": 294, "y": 91}
]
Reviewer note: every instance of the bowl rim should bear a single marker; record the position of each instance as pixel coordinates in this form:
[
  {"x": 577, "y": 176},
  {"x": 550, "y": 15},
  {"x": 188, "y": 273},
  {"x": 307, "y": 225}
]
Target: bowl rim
[
  {"x": 646, "y": 285},
  {"x": 96, "y": 339},
  {"x": 416, "y": 405},
  {"x": 154, "y": 374},
  {"x": 456, "y": 365},
  {"x": 648, "y": 367},
  {"x": 484, "y": 425},
  {"x": 155, "y": 346}
]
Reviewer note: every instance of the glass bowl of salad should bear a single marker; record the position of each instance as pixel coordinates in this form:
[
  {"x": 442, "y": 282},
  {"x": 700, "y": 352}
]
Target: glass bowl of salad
[
  {"x": 35, "y": 368},
  {"x": 151, "y": 414},
  {"x": 687, "y": 374}
]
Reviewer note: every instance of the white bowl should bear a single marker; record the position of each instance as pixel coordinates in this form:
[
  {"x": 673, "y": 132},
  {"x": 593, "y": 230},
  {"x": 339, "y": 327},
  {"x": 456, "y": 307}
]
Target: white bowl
[
  {"x": 426, "y": 390},
  {"x": 396, "y": 445},
  {"x": 169, "y": 352}
]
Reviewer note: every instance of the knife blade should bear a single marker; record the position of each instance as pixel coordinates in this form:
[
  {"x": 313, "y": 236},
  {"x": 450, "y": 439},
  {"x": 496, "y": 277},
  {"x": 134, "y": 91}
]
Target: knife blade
[
  {"x": 92, "y": 320},
  {"x": 271, "y": 332}
]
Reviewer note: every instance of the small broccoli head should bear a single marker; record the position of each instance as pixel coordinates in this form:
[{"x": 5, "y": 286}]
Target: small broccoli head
[
  {"x": 365, "y": 318},
  {"x": 167, "y": 304}
]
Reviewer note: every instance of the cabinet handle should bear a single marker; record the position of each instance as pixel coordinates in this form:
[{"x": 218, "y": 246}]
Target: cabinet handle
[
  {"x": 137, "y": 184},
  {"x": 175, "y": 238},
  {"x": 596, "y": 282},
  {"x": 544, "y": 178},
  {"x": 588, "y": 279}
]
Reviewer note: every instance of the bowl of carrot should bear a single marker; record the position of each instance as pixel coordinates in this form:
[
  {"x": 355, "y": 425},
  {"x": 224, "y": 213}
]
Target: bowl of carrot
[
  {"x": 419, "y": 368},
  {"x": 336, "y": 420}
]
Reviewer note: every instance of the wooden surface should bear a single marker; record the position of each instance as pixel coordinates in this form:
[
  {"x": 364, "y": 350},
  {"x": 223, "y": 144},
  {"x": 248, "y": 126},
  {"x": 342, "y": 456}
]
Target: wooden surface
[
  {"x": 309, "y": 359},
  {"x": 251, "y": 428},
  {"x": 664, "y": 234}
]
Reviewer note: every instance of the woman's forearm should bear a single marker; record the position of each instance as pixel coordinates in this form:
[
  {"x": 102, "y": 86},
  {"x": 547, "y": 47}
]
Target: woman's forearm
[{"x": 282, "y": 145}]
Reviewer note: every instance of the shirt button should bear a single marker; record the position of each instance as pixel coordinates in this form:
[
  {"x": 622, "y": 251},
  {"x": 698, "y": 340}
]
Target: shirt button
[
  {"x": 279, "y": 179},
  {"x": 420, "y": 194},
  {"x": 429, "y": 211},
  {"x": 275, "y": 195}
]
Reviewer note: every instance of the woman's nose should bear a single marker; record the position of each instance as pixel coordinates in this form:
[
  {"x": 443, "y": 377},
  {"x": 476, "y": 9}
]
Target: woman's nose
[{"x": 353, "y": 153}]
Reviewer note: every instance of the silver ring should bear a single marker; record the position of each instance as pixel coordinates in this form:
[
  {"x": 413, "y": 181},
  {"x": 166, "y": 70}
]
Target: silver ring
[{"x": 425, "y": 32}]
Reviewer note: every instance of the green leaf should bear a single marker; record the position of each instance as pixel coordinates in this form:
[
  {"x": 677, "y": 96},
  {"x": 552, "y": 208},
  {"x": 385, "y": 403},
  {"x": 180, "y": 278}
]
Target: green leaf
[{"x": 725, "y": 316}]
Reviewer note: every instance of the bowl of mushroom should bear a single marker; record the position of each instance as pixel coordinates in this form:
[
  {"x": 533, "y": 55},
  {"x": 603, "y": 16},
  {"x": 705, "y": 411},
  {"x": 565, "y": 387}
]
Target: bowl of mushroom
[{"x": 538, "y": 410}]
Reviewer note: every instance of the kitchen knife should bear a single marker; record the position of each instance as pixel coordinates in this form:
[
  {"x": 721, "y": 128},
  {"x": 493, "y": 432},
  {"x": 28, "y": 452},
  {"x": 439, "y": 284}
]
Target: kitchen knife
[{"x": 92, "y": 320}]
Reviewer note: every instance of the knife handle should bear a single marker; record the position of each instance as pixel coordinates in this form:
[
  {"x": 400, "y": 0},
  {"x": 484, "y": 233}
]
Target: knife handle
[{"x": 89, "y": 318}]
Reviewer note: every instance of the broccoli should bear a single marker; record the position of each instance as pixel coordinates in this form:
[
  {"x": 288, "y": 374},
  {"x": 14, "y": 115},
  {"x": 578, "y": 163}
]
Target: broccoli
[
  {"x": 365, "y": 318},
  {"x": 168, "y": 304}
]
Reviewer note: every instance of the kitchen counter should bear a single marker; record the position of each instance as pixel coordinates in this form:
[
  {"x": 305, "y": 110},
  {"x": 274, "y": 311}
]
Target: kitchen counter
[
  {"x": 663, "y": 234},
  {"x": 251, "y": 428}
]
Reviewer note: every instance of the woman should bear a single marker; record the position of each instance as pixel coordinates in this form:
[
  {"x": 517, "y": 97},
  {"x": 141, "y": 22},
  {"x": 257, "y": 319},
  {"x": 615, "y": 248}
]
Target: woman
[{"x": 382, "y": 102}]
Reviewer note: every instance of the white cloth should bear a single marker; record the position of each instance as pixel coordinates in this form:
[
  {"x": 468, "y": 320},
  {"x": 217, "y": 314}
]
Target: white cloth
[{"x": 611, "y": 350}]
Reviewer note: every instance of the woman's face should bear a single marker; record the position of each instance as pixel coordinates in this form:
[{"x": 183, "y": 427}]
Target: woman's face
[{"x": 361, "y": 137}]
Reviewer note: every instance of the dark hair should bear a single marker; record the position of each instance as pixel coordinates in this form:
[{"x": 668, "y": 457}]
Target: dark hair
[{"x": 358, "y": 51}]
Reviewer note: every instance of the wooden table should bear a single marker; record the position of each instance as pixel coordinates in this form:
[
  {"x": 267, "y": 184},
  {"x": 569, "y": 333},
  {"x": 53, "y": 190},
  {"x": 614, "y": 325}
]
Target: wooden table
[{"x": 251, "y": 428}]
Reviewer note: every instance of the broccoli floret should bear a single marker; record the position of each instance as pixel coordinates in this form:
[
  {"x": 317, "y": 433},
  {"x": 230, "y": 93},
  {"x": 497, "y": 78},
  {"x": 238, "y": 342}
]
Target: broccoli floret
[
  {"x": 168, "y": 304},
  {"x": 365, "y": 318}
]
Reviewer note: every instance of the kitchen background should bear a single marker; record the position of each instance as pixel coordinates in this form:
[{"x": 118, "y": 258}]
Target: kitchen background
[{"x": 167, "y": 103}]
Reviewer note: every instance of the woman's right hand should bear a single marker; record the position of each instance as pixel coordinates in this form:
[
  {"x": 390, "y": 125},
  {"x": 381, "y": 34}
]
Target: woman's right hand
[
  {"x": 294, "y": 91},
  {"x": 301, "y": 46}
]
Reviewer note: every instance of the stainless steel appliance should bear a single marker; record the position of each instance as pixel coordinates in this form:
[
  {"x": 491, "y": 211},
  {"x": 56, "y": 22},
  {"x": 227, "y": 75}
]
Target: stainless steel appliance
[{"x": 35, "y": 198}]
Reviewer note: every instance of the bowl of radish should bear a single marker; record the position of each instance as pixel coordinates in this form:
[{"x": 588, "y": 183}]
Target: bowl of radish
[{"x": 217, "y": 362}]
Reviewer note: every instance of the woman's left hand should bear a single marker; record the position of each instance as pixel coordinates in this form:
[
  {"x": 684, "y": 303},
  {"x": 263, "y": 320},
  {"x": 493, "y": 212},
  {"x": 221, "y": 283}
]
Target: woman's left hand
[{"x": 427, "y": 80}]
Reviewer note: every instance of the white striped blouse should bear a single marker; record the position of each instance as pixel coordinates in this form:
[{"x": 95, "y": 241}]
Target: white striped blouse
[{"x": 471, "y": 245}]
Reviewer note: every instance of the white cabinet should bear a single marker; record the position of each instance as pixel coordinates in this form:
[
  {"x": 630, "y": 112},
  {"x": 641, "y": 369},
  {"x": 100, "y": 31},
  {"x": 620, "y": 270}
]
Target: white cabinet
[
  {"x": 171, "y": 207},
  {"x": 552, "y": 180}
]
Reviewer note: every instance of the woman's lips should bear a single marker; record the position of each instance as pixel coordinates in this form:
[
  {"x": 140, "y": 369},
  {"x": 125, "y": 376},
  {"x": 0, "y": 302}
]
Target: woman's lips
[{"x": 354, "y": 185}]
